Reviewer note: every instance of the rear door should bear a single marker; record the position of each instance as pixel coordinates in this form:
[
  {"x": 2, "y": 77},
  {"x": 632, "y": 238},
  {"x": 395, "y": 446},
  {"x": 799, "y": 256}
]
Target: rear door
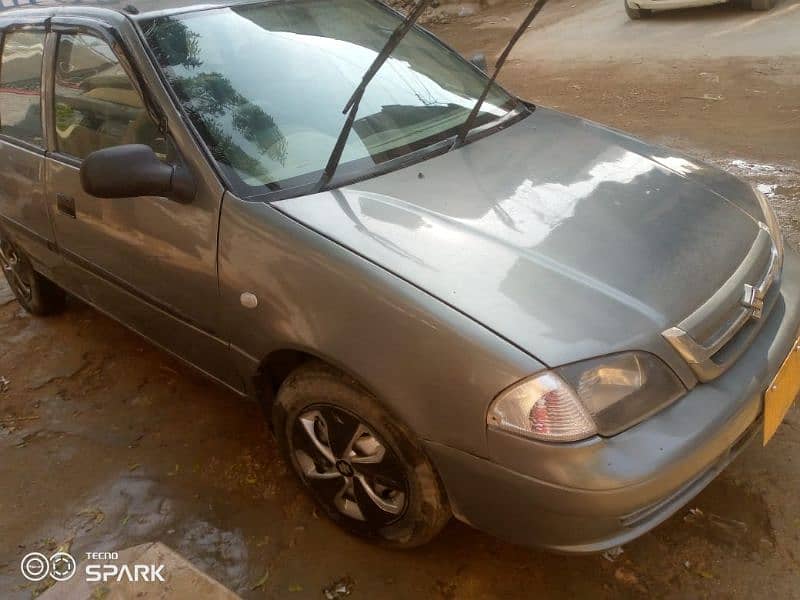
[{"x": 149, "y": 262}]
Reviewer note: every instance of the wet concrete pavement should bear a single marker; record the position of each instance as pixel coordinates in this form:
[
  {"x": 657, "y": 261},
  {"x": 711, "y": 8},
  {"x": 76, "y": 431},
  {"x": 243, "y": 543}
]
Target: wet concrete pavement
[{"x": 107, "y": 442}]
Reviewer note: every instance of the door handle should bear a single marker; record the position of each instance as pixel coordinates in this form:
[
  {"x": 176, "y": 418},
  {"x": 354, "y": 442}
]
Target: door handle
[{"x": 66, "y": 205}]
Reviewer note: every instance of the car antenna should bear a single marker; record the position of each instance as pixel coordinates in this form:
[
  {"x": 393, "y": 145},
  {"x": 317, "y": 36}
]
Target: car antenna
[
  {"x": 469, "y": 123},
  {"x": 351, "y": 108}
]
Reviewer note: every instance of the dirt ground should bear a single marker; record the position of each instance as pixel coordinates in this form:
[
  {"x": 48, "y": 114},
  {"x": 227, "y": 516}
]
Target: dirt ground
[{"x": 106, "y": 442}]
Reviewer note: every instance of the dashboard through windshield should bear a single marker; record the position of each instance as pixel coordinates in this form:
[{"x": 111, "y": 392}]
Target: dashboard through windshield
[{"x": 265, "y": 85}]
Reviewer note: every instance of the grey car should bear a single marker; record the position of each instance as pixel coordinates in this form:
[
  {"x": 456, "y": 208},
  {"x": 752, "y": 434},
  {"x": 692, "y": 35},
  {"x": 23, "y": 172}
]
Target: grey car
[{"x": 553, "y": 331}]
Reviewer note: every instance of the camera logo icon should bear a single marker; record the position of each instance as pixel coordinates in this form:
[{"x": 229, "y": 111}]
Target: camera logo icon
[{"x": 35, "y": 566}]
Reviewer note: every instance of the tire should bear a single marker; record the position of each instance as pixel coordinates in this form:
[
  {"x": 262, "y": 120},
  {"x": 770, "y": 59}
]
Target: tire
[
  {"x": 636, "y": 13},
  {"x": 762, "y": 4},
  {"x": 363, "y": 468},
  {"x": 36, "y": 294}
]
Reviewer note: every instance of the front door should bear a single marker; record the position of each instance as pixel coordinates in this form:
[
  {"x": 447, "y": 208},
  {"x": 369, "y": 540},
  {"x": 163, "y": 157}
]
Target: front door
[
  {"x": 23, "y": 212},
  {"x": 149, "y": 262}
]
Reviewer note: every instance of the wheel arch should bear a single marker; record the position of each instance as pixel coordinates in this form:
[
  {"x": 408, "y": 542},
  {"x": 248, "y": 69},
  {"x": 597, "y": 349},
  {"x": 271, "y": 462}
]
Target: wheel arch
[{"x": 276, "y": 366}]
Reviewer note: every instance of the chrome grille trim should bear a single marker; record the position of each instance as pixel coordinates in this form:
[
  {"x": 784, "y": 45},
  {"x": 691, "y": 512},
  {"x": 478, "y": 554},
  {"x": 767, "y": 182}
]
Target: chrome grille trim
[{"x": 699, "y": 356}]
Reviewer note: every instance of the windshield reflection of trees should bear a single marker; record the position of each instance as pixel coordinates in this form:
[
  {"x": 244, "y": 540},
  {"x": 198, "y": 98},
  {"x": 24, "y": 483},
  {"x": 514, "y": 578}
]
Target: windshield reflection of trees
[{"x": 210, "y": 99}]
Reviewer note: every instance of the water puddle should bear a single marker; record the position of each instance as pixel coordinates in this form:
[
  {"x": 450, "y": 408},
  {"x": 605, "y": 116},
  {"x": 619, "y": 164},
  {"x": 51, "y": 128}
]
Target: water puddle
[{"x": 780, "y": 184}]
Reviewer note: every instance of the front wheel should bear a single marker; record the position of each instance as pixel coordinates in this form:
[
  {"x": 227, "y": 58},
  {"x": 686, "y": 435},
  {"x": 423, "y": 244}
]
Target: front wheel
[
  {"x": 362, "y": 468},
  {"x": 35, "y": 293}
]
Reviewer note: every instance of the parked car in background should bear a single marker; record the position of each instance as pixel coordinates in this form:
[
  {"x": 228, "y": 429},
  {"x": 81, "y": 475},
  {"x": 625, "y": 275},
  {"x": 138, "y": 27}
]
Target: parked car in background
[
  {"x": 637, "y": 9},
  {"x": 552, "y": 330}
]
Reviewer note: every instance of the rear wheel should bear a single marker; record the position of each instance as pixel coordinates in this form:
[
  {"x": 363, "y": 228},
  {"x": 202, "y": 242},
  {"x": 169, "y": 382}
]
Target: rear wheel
[
  {"x": 363, "y": 469},
  {"x": 34, "y": 292},
  {"x": 636, "y": 13}
]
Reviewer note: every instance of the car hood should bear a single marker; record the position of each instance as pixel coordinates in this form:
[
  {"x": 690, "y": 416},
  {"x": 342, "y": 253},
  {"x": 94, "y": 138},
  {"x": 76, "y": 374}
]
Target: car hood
[{"x": 568, "y": 239}]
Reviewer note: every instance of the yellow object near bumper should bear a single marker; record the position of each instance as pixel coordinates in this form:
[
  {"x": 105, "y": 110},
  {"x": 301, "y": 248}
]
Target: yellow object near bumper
[{"x": 782, "y": 393}]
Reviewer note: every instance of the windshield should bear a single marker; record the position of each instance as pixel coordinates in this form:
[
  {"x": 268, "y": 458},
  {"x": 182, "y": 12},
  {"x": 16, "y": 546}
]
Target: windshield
[{"x": 265, "y": 86}]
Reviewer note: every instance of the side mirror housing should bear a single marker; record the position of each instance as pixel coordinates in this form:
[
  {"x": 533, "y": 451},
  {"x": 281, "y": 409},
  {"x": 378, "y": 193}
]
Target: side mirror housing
[
  {"x": 479, "y": 60},
  {"x": 134, "y": 170}
]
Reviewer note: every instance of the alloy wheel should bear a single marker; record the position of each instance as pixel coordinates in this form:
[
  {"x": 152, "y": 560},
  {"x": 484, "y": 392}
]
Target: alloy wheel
[{"x": 348, "y": 467}]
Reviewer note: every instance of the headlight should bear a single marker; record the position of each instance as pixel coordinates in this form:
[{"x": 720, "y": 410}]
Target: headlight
[
  {"x": 771, "y": 220},
  {"x": 604, "y": 395}
]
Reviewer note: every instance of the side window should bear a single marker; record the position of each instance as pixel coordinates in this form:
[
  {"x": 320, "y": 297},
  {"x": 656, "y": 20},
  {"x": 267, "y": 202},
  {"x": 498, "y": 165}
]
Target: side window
[
  {"x": 20, "y": 86},
  {"x": 96, "y": 105}
]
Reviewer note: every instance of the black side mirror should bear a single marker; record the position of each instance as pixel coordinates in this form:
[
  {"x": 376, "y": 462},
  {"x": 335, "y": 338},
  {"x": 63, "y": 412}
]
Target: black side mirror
[
  {"x": 479, "y": 60},
  {"x": 134, "y": 170}
]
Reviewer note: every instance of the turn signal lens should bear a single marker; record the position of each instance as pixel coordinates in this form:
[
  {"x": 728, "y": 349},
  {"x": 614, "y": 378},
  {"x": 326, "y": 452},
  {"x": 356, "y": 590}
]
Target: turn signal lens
[{"x": 542, "y": 407}]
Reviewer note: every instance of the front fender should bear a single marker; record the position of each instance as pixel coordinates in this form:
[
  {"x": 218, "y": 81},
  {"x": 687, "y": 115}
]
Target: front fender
[{"x": 430, "y": 365}]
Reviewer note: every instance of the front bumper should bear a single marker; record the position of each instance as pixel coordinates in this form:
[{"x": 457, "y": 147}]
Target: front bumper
[{"x": 604, "y": 492}]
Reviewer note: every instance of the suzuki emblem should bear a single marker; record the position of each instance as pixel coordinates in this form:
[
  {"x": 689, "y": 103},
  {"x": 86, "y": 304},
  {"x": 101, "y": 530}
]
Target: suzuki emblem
[{"x": 754, "y": 300}]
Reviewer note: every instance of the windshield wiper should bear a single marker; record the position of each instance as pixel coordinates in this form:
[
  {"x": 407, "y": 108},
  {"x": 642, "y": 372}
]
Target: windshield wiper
[
  {"x": 470, "y": 122},
  {"x": 351, "y": 108}
]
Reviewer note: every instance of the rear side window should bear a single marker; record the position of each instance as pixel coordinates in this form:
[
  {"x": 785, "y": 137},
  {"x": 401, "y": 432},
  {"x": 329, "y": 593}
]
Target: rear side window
[
  {"x": 96, "y": 104},
  {"x": 20, "y": 86}
]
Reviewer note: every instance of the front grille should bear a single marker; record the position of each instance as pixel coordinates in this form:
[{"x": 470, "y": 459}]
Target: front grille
[{"x": 717, "y": 333}]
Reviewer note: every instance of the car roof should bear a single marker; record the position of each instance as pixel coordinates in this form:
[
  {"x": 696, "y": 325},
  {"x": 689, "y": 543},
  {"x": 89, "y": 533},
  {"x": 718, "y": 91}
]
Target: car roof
[{"x": 129, "y": 7}]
